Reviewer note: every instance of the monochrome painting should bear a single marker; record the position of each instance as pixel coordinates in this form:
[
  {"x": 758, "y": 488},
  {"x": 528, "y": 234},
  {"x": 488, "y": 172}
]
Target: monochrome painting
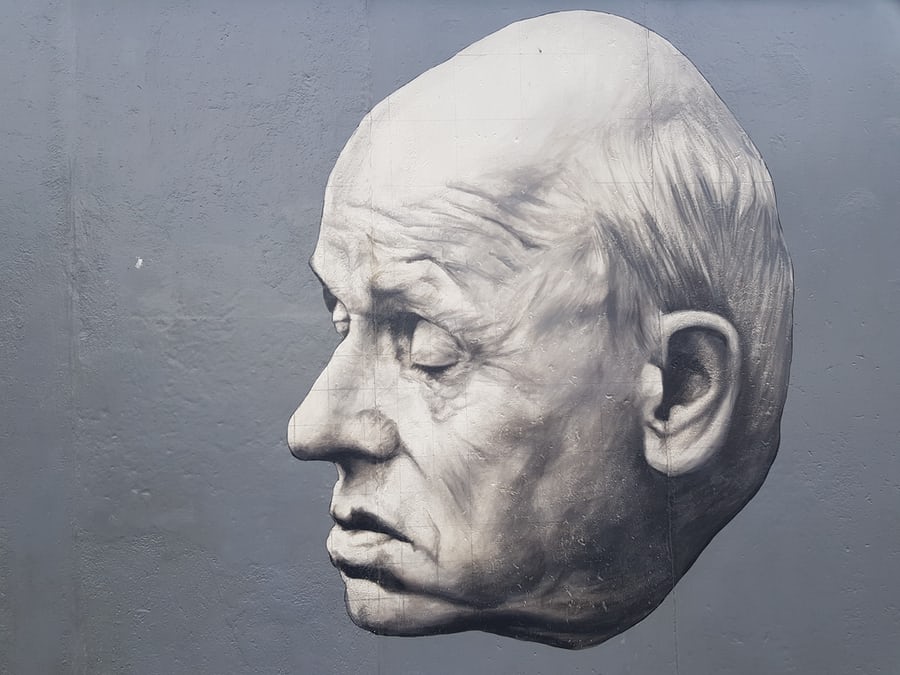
[{"x": 557, "y": 270}]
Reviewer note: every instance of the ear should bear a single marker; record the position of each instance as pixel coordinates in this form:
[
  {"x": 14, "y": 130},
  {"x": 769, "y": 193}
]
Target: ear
[{"x": 687, "y": 401}]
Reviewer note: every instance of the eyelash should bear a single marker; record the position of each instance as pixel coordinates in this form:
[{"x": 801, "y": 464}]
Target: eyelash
[
  {"x": 407, "y": 326},
  {"x": 403, "y": 327},
  {"x": 434, "y": 372}
]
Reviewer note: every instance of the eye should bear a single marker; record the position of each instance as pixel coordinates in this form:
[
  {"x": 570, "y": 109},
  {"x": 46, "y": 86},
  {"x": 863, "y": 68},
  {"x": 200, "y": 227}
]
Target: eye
[
  {"x": 340, "y": 317},
  {"x": 432, "y": 349}
]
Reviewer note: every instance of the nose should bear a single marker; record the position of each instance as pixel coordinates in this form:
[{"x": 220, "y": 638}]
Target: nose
[{"x": 346, "y": 415}]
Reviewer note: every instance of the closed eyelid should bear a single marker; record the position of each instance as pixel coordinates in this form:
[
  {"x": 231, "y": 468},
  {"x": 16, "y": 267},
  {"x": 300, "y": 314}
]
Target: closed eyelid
[{"x": 431, "y": 347}]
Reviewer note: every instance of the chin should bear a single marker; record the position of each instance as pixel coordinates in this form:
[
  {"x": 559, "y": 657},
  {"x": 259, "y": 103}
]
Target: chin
[
  {"x": 388, "y": 611},
  {"x": 560, "y": 621}
]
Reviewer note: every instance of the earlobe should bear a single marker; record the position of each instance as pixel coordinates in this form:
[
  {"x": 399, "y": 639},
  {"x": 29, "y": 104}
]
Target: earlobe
[{"x": 687, "y": 401}]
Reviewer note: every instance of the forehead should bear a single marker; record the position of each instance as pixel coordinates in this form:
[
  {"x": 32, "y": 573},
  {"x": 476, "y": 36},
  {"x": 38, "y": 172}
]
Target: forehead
[
  {"x": 431, "y": 169},
  {"x": 449, "y": 262},
  {"x": 458, "y": 229}
]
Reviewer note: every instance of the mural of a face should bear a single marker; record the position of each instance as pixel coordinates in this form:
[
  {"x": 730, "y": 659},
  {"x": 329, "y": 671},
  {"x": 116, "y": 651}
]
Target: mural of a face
[{"x": 557, "y": 270}]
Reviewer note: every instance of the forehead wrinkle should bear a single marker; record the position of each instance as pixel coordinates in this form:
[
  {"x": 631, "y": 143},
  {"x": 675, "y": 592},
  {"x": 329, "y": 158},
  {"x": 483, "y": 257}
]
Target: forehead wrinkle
[
  {"x": 461, "y": 248},
  {"x": 489, "y": 210},
  {"x": 511, "y": 196},
  {"x": 358, "y": 241},
  {"x": 335, "y": 253},
  {"x": 453, "y": 235}
]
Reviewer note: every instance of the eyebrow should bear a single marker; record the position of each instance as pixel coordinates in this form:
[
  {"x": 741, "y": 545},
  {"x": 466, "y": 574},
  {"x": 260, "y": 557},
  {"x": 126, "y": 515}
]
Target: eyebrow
[
  {"x": 421, "y": 283},
  {"x": 426, "y": 287}
]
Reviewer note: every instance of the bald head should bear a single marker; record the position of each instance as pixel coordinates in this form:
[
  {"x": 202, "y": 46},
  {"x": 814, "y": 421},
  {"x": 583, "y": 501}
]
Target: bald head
[
  {"x": 556, "y": 264},
  {"x": 548, "y": 91}
]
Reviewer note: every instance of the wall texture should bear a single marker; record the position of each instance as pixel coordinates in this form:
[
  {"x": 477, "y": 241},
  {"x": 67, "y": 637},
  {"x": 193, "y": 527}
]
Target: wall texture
[{"x": 162, "y": 174}]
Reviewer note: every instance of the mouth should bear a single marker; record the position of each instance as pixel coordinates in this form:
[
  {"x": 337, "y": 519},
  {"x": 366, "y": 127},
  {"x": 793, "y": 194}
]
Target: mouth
[
  {"x": 363, "y": 546},
  {"x": 379, "y": 575},
  {"x": 363, "y": 521}
]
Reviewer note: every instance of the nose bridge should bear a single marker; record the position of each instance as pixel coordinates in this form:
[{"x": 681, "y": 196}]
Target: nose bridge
[{"x": 348, "y": 411}]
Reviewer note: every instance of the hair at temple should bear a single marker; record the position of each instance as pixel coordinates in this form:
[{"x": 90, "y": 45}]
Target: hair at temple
[{"x": 703, "y": 233}]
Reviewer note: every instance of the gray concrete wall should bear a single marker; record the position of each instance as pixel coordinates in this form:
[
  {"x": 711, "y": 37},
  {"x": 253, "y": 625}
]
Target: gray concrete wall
[{"x": 151, "y": 518}]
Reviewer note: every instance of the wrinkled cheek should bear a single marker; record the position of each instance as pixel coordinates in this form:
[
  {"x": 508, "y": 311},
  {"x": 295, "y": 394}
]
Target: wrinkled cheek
[
  {"x": 442, "y": 400},
  {"x": 503, "y": 541},
  {"x": 482, "y": 468},
  {"x": 506, "y": 562},
  {"x": 487, "y": 551}
]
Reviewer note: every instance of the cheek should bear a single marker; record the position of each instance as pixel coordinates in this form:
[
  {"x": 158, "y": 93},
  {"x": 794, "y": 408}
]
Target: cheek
[
  {"x": 475, "y": 445},
  {"x": 496, "y": 418},
  {"x": 423, "y": 400},
  {"x": 494, "y": 450}
]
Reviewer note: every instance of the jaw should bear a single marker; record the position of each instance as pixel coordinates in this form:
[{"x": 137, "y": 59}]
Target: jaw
[
  {"x": 569, "y": 620},
  {"x": 565, "y": 632}
]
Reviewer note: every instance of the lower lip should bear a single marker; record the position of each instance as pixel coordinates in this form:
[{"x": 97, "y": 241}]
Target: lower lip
[
  {"x": 365, "y": 548},
  {"x": 359, "y": 538}
]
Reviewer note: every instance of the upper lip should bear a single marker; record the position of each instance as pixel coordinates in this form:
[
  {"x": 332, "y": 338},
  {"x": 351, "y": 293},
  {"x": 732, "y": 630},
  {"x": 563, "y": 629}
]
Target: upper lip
[{"x": 359, "y": 519}]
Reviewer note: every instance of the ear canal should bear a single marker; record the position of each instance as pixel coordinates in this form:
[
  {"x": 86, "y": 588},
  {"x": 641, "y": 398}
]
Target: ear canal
[
  {"x": 688, "y": 422},
  {"x": 696, "y": 360}
]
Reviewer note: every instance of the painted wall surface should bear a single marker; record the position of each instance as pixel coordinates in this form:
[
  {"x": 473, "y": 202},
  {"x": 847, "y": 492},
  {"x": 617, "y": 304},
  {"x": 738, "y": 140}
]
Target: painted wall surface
[{"x": 162, "y": 181}]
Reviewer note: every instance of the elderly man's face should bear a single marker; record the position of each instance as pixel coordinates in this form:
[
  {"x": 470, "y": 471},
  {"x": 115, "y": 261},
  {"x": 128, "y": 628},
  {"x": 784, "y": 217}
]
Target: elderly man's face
[
  {"x": 481, "y": 422},
  {"x": 480, "y": 408},
  {"x": 527, "y": 442}
]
